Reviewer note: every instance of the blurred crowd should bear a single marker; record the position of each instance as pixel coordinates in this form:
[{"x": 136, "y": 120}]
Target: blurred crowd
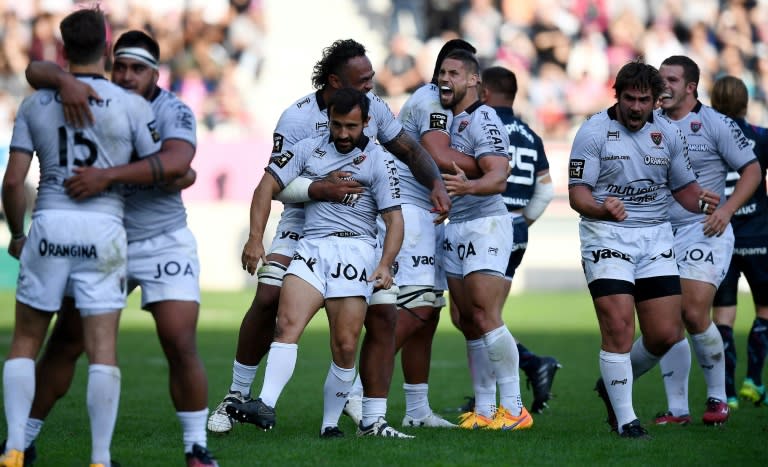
[
  {"x": 210, "y": 49},
  {"x": 564, "y": 52}
]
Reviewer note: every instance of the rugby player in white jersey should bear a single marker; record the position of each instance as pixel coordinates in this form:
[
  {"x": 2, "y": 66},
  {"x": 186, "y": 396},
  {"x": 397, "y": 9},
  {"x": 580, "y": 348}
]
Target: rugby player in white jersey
[
  {"x": 625, "y": 165},
  {"x": 162, "y": 252},
  {"x": 477, "y": 247},
  {"x": 715, "y": 145},
  {"x": 75, "y": 246},
  {"x": 750, "y": 253},
  {"x": 335, "y": 262},
  {"x": 344, "y": 64}
]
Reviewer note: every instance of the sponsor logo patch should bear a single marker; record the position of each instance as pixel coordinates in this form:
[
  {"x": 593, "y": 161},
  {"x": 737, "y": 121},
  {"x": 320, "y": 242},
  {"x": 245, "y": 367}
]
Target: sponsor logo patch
[
  {"x": 576, "y": 168},
  {"x": 438, "y": 121},
  {"x": 282, "y": 159},
  {"x": 613, "y": 135},
  {"x": 277, "y": 142}
]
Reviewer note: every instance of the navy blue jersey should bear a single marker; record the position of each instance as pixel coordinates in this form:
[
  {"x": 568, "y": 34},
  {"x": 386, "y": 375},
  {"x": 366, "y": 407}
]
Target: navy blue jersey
[
  {"x": 526, "y": 157},
  {"x": 751, "y": 220}
]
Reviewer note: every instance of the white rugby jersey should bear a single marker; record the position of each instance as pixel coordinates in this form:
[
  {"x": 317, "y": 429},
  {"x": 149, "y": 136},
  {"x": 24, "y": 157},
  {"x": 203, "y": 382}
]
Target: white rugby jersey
[
  {"x": 478, "y": 132},
  {"x": 370, "y": 165},
  {"x": 715, "y": 143},
  {"x": 151, "y": 211},
  {"x": 641, "y": 168},
  {"x": 421, "y": 114},
  {"x": 124, "y": 122}
]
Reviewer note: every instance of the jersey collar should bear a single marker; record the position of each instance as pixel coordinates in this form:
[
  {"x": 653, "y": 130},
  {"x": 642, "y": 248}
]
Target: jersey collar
[{"x": 473, "y": 107}]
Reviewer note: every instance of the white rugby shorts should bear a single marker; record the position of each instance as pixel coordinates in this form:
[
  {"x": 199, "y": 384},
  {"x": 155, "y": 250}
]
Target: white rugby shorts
[
  {"x": 336, "y": 267},
  {"x": 703, "y": 258},
  {"x": 441, "y": 281},
  {"x": 610, "y": 251},
  {"x": 482, "y": 244},
  {"x": 288, "y": 232},
  {"x": 416, "y": 259},
  {"x": 166, "y": 267},
  {"x": 75, "y": 251}
]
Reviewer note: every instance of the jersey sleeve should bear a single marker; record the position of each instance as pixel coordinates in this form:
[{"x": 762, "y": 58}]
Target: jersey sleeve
[
  {"x": 542, "y": 163},
  {"x": 176, "y": 121},
  {"x": 146, "y": 137},
  {"x": 21, "y": 139},
  {"x": 490, "y": 136},
  {"x": 286, "y": 166},
  {"x": 733, "y": 145},
  {"x": 387, "y": 124},
  {"x": 289, "y": 131},
  {"x": 386, "y": 182},
  {"x": 584, "y": 161}
]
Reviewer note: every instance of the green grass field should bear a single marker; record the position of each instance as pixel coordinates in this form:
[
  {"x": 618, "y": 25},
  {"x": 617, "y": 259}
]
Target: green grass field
[{"x": 572, "y": 432}]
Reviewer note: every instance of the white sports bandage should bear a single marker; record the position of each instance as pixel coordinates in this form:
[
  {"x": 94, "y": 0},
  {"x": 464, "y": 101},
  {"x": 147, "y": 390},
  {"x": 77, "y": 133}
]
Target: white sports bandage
[
  {"x": 271, "y": 273},
  {"x": 414, "y": 296},
  {"x": 139, "y": 54},
  {"x": 295, "y": 192},
  {"x": 384, "y": 296},
  {"x": 542, "y": 195}
]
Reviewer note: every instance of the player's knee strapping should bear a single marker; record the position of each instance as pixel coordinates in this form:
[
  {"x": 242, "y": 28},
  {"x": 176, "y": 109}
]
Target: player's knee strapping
[
  {"x": 414, "y": 296},
  {"x": 272, "y": 273},
  {"x": 385, "y": 296}
]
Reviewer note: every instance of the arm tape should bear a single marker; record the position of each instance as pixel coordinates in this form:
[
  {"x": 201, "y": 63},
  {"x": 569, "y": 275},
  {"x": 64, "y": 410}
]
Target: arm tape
[
  {"x": 295, "y": 192},
  {"x": 542, "y": 195}
]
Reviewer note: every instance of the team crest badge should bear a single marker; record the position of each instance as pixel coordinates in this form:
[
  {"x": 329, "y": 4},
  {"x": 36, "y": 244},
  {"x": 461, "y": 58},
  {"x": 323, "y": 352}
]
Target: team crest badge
[
  {"x": 656, "y": 138},
  {"x": 464, "y": 124},
  {"x": 359, "y": 159},
  {"x": 695, "y": 126}
]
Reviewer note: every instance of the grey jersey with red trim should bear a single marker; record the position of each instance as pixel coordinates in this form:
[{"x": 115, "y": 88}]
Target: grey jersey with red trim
[
  {"x": 420, "y": 114},
  {"x": 124, "y": 123},
  {"x": 478, "y": 132},
  {"x": 370, "y": 165},
  {"x": 150, "y": 211},
  {"x": 641, "y": 168},
  {"x": 715, "y": 144}
]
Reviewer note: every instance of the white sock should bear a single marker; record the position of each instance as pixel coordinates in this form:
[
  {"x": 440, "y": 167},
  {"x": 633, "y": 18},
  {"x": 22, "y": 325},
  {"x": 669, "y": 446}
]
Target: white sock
[
  {"x": 483, "y": 380},
  {"x": 242, "y": 378},
  {"x": 280, "y": 365},
  {"x": 338, "y": 383},
  {"x": 18, "y": 393},
  {"x": 102, "y": 399},
  {"x": 675, "y": 367},
  {"x": 193, "y": 428},
  {"x": 357, "y": 388},
  {"x": 642, "y": 360},
  {"x": 417, "y": 400},
  {"x": 373, "y": 409},
  {"x": 710, "y": 353},
  {"x": 616, "y": 370},
  {"x": 32, "y": 430},
  {"x": 505, "y": 362}
]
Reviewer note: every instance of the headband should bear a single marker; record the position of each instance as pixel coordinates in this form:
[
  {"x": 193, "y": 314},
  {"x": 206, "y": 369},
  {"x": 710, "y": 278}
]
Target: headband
[{"x": 137, "y": 53}]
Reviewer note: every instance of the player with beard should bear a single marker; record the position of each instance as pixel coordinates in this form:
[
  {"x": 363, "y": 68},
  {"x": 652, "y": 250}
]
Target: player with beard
[
  {"x": 478, "y": 244},
  {"x": 715, "y": 145},
  {"x": 158, "y": 241},
  {"x": 334, "y": 264},
  {"x": 750, "y": 253},
  {"x": 625, "y": 165},
  {"x": 344, "y": 64}
]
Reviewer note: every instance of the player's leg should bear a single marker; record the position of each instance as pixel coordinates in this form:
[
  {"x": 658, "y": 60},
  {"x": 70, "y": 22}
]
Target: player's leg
[
  {"x": 19, "y": 374},
  {"x": 345, "y": 321},
  {"x": 756, "y": 272},
  {"x": 724, "y": 316},
  {"x": 103, "y": 389}
]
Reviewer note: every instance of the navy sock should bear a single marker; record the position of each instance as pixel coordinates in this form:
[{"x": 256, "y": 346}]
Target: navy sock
[
  {"x": 730, "y": 359},
  {"x": 757, "y": 346},
  {"x": 529, "y": 361}
]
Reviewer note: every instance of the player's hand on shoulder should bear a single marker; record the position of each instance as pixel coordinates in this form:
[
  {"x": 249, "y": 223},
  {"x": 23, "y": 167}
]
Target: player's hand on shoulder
[
  {"x": 86, "y": 182},
  {"x": 615, "y": 209},
  {"x": 75, "y": 99}
]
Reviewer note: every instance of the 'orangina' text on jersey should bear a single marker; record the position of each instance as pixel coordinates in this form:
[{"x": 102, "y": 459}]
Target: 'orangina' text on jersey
[
  {"x": 421, "y": 114},
  {"x": 478, "y": 132},
  {"x": 125, "y": 123},
  {"x": 641, "y": 168},
  {"x": 370, "y": 165},
  {"x": 151, "y": 211},
  {"x": 715, "y": 144}
]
